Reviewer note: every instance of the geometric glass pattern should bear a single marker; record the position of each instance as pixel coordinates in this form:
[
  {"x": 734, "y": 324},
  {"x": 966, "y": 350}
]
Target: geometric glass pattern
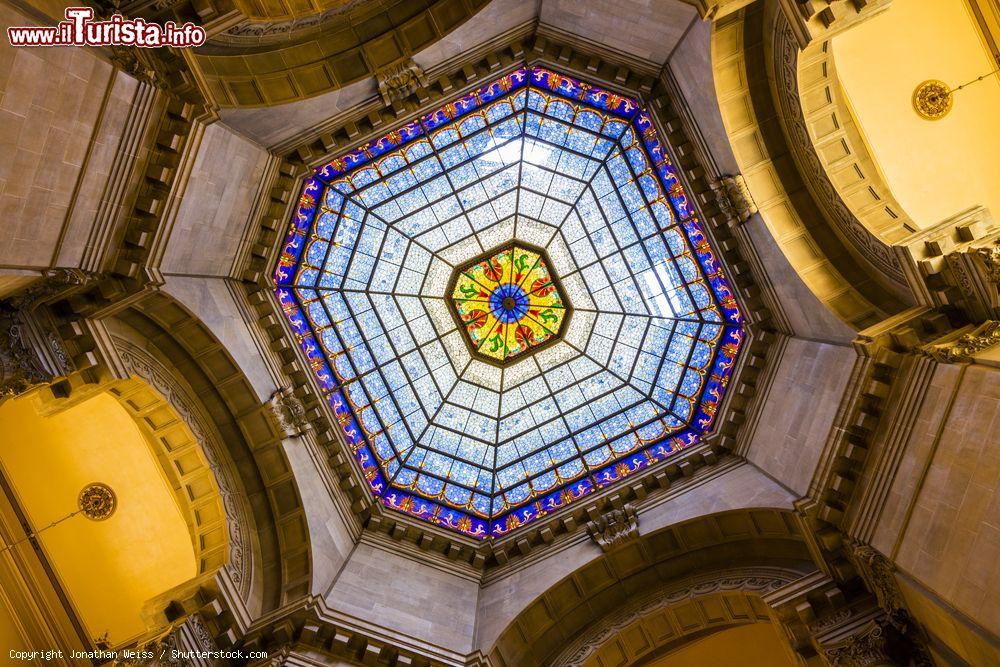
[
  {"x": 508, "y": 303},
  {"x": 370, "y": 278}
]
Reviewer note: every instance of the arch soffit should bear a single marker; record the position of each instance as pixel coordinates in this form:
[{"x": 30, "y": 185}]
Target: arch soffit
[
  {"x": 675, "y": 614},
  {"x": 211, "y": 498},
  {"x": 684, "y": 557},
  {"x": 756, "y": 64},
  {"x": 842, "y": 151},
  {"x": 276, "y": 57},
  {"x": 188, "y": 352}
]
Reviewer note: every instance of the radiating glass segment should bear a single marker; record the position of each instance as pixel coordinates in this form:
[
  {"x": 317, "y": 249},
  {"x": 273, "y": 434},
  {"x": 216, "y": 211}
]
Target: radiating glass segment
[{"x": 509, "y": 303}]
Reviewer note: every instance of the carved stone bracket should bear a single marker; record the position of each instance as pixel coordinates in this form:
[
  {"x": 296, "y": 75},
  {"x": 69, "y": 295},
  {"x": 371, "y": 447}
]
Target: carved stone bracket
[
  {"x": 190, "y": 635},
  {"x": 734, "y": 198},
  {"x": 286, "y": 413},
  {"x": 399, "y": 80},
  {"x": 877, "y": 572},
  {"x": 21, "y": 367},
  {"x": 615, "y": 528}
]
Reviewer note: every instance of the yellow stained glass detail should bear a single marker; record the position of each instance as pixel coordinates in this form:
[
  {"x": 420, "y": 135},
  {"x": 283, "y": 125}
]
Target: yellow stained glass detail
[{"x": 508, "y": 303}]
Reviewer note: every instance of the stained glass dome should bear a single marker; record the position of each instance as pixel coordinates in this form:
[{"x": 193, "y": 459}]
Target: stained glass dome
[
  {"x": 371, "y": 278},
  {"x": 509, "y": 303}
]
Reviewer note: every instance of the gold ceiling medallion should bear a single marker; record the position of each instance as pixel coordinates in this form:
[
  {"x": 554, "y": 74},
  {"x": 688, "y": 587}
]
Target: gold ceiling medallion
[
  {"x": 97, "y": 501},
  {"x": 933, "y": 99}
]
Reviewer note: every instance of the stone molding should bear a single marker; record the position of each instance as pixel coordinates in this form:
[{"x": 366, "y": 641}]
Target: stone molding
[
  {"x": 672, "y": 559},
  {"x": 956, "y": 264},
  {"x": 866, "y": 245},
  {"x": 841, "y": 626},
  {"x": 744, "y": 64},
  {"x": 32, "y": 353},
  {"x": 841, "y": 148},
  {"x": 962, "y": 346},
  {"x": 813, "y": 20},
  {"x": 865, "y": 648}
]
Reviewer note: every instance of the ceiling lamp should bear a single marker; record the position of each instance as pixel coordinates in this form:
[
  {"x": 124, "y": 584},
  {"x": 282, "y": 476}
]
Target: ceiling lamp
[{"x": 933, "y": 99}]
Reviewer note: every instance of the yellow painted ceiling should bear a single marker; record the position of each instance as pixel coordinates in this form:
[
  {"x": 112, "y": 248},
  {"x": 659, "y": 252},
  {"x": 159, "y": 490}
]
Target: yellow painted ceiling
[
  {"x": 754, "y": 645},
  {"x": 935, "y": 168},
  {"x": 108, "y": 568}
]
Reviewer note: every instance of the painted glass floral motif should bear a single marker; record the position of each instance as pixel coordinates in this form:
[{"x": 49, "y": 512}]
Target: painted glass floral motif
[
  {"x": 508, "y": 303},
  {"x": 479, "y": 391}
]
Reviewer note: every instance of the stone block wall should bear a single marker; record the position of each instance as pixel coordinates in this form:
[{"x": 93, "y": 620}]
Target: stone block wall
[
  {"x": 55, "y": 103},
  {"x": 950, "y": 541},
  {"x": 213, "y": 213},
  {"x": 799, "y": 410}
]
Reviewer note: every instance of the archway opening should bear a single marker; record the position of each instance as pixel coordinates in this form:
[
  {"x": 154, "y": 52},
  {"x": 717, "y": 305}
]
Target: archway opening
[{"x": 106, "y": 567}]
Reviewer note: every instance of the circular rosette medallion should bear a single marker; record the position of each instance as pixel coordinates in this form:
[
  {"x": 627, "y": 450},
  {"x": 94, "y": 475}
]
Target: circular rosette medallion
[{"x": 508, "y": 303}]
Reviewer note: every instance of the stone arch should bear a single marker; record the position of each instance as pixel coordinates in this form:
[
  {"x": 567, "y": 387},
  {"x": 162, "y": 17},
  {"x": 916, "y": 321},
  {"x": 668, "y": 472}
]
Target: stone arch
[
  {"x": 739, "y": 552},
  {"x": 851, "y": 270},
  {"x": 675, "y": 614},
  {"x": 195, "y": 373},
  {"x": 195, "y": 464}
]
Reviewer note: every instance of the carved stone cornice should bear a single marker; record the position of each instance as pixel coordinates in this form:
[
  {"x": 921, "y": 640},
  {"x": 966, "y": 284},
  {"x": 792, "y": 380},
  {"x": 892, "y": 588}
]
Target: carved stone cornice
[
  {"x": 821, "y": 19},
  {"x": 966, "y": 346},
  {"x": 990, "y": 257},
  {"x": 866, "y": 648},
  {"x": 877, "y": 572},
  {"x": 53, "y": 285},
  {"x": 615, "y": 528},
  {"x": 21, "y": 367},
  {"x": 31, "y": 351},
  {"x": 956, "y": 264}
]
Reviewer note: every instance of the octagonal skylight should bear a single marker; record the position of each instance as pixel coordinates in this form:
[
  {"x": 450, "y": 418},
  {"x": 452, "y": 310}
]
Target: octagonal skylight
[{"x": 371, "y": 269}]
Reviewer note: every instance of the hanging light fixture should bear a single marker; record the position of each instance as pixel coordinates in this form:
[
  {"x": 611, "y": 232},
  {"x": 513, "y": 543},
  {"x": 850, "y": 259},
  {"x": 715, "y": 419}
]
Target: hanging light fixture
[
  {"x": 96, "y": 501},
  {"x": 933, "y": 99}
]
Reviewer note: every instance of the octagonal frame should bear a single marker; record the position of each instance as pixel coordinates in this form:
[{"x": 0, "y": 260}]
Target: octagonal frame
[
  {"x": 652, "y": 453},
  {"x": 450, "y": 302}
]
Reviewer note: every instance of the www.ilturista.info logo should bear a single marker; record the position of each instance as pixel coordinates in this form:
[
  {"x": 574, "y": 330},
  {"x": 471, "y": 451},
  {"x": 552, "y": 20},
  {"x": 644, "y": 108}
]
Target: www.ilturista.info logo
[{"x": 79, "y": 29}]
